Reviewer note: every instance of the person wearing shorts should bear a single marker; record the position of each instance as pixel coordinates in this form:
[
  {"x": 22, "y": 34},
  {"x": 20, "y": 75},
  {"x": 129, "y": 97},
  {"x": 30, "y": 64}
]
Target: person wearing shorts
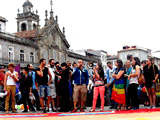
[
  {"x": 81, "y": 79},
  {"x": 52, "y": 85},
  {"x": 42, "y": 79},
  {"x": 151, "y": 74}
]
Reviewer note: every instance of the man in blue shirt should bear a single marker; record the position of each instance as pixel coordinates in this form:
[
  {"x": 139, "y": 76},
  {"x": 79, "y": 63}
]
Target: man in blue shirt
[
  {"x": 109, "y": 85},
  {"x": 34, "y": 88},
  {"x": 81, "y": 79}
]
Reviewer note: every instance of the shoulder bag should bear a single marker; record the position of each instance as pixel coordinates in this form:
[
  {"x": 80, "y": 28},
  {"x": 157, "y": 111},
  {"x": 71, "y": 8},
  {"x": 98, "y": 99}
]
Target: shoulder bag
[{"x": 157, "y": 83}]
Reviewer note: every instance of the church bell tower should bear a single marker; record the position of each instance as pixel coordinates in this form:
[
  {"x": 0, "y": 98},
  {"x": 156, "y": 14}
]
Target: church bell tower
[{"x": 27, "y": 20}]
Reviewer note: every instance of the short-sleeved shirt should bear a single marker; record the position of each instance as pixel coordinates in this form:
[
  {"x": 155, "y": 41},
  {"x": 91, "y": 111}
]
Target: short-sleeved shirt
[
  {"x": 42, "y": 80},
  {"x": 149, "y": 74},
  {"x": 117, "y": 71}
]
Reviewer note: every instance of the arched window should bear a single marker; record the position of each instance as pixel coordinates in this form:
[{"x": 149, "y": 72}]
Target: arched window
[
  {"x": 45, "y": 55},
  {"x": 23, "y": 27},
  {"x": 31, "y": 57},
  {"x": 11, "y": 54},
  {"x": 34, "y": 26},
  {"x": 55, "y": 55},
  {"x": 22, "y": 55}
]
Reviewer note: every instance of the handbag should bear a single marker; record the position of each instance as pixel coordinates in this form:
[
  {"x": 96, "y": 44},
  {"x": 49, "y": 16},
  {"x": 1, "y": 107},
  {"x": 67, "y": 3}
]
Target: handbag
[
  {"x": 141, "y": 79},
  {"x": 157, "y": 83},
  {"x": 157, "y": 86}
]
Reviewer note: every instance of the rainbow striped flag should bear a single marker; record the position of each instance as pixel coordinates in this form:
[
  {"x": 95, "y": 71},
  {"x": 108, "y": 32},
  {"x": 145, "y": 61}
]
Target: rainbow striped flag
[{"x": 118, "y": 92}]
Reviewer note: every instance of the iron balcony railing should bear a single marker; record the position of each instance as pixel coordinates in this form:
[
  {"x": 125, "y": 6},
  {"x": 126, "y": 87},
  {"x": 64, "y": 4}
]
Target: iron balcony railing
[{"x": 5, "y": 62}]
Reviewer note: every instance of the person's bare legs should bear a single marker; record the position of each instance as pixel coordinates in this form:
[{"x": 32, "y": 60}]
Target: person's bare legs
[
  {"x": 153, "y": 97},
  {"x": 150, "y": 96},
  {"x": 79, "y": 102},
  {"x": 119, "y": 106},
  {"x": 42, "y": 103},
  {"x": 82, "y": 103},
  {"x": 53, "y": 103},
  {"x": 49, "y": 101},
  {"x": 75, "y": 104},
  {"x": 123, "y": 107}
]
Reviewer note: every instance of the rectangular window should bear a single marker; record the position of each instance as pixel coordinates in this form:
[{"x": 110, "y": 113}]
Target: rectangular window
[
  {"x": 22, "y": 55},
  {"x": 11, "y": 54},
  {"x": 31, "y": 57}
]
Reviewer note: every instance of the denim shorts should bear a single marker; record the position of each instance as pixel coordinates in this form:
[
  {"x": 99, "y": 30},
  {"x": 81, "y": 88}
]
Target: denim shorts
[
  {"x": 153, "y": 85},
  {"x": 44, "y": 91}
]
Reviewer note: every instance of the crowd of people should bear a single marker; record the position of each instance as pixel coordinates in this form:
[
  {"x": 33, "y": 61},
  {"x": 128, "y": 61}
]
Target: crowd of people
[{"x": 68, "y": 86}]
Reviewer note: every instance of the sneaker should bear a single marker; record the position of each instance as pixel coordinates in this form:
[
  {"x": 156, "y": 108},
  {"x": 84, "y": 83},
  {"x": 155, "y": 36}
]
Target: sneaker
[
  {"x": 38, "y": 109},
  {"x": 25, "y": 111},
  {"x": 33, "y": 110},
  {"x": 134, "y": 108},
  {"x": 153, "y": 107},
  {"x": 44, "y": 111},
  {"x": 74, "y": 110},
  {"x": 82, "y": 110},
  {"x": 14, "y": 111},
  {"x": 60, "y": 110},
  {"x": 112, "y": 107},
  {"x": 115, "y": 107},
  {"x": 150, "y": 107}
]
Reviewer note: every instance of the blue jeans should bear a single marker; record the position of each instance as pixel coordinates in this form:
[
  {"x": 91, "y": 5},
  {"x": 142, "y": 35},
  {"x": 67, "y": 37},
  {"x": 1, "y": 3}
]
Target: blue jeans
[
  {"x": 44, "y": 89},
  {"x": 36, "y": 95},
  {"x": 113, "y": 103}
]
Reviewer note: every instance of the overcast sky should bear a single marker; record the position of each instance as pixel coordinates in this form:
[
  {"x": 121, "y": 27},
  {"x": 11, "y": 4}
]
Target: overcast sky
[{"x": 97, "y": 24}]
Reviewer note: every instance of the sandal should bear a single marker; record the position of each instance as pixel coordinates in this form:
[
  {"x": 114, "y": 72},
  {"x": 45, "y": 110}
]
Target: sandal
[
  {"x": 118, "y": 109},
  {"x": 101, "y": 110},
  {"x": 92, "y": 110},
  {"x": 122, "y": 109}
]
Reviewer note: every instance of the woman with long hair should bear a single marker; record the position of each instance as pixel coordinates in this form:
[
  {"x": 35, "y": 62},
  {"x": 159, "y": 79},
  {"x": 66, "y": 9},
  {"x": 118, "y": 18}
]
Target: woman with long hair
[
  {"x": 151, "y": 74},
  {"x": 133, "y": 82},
  {"x": 118, "y": 92},
  {"x": 99, "y": 88}
]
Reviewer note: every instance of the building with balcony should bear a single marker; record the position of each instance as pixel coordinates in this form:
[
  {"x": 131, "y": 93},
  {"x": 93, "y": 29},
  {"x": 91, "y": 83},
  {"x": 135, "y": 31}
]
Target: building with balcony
[{"x": 31, "y": 43}]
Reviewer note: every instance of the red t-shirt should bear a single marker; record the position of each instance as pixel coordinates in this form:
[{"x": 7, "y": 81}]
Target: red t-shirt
[{"x": 1, "y": 78}]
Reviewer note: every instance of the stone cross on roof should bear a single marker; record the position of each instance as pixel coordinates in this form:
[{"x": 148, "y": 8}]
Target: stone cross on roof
[{"x": 51, "y": 5}]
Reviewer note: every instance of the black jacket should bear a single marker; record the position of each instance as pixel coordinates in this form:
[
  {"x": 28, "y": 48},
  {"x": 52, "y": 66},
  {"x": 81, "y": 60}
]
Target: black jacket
[{"x": 25, "y": 83}]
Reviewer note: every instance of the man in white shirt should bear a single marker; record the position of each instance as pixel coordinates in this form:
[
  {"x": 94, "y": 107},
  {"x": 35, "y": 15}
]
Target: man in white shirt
[
  {"x": 52, "y": 85},
  {"x": 10, "y": 79}
]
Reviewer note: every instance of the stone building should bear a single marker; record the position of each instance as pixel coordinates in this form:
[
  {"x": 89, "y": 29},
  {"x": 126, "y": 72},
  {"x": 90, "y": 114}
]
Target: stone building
[
  {"x": 31, "y": 43},
  {"x": 3, "y": 24},
  {"x": 136, "y": 51},
  {"x": 50, "y": 40}
]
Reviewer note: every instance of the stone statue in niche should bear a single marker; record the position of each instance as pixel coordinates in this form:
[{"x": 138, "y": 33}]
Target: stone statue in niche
[{"x": 53, "y": 33}]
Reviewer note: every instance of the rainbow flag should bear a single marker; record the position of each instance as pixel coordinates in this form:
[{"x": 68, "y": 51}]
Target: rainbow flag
[{"x": 118, "y": 92}]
